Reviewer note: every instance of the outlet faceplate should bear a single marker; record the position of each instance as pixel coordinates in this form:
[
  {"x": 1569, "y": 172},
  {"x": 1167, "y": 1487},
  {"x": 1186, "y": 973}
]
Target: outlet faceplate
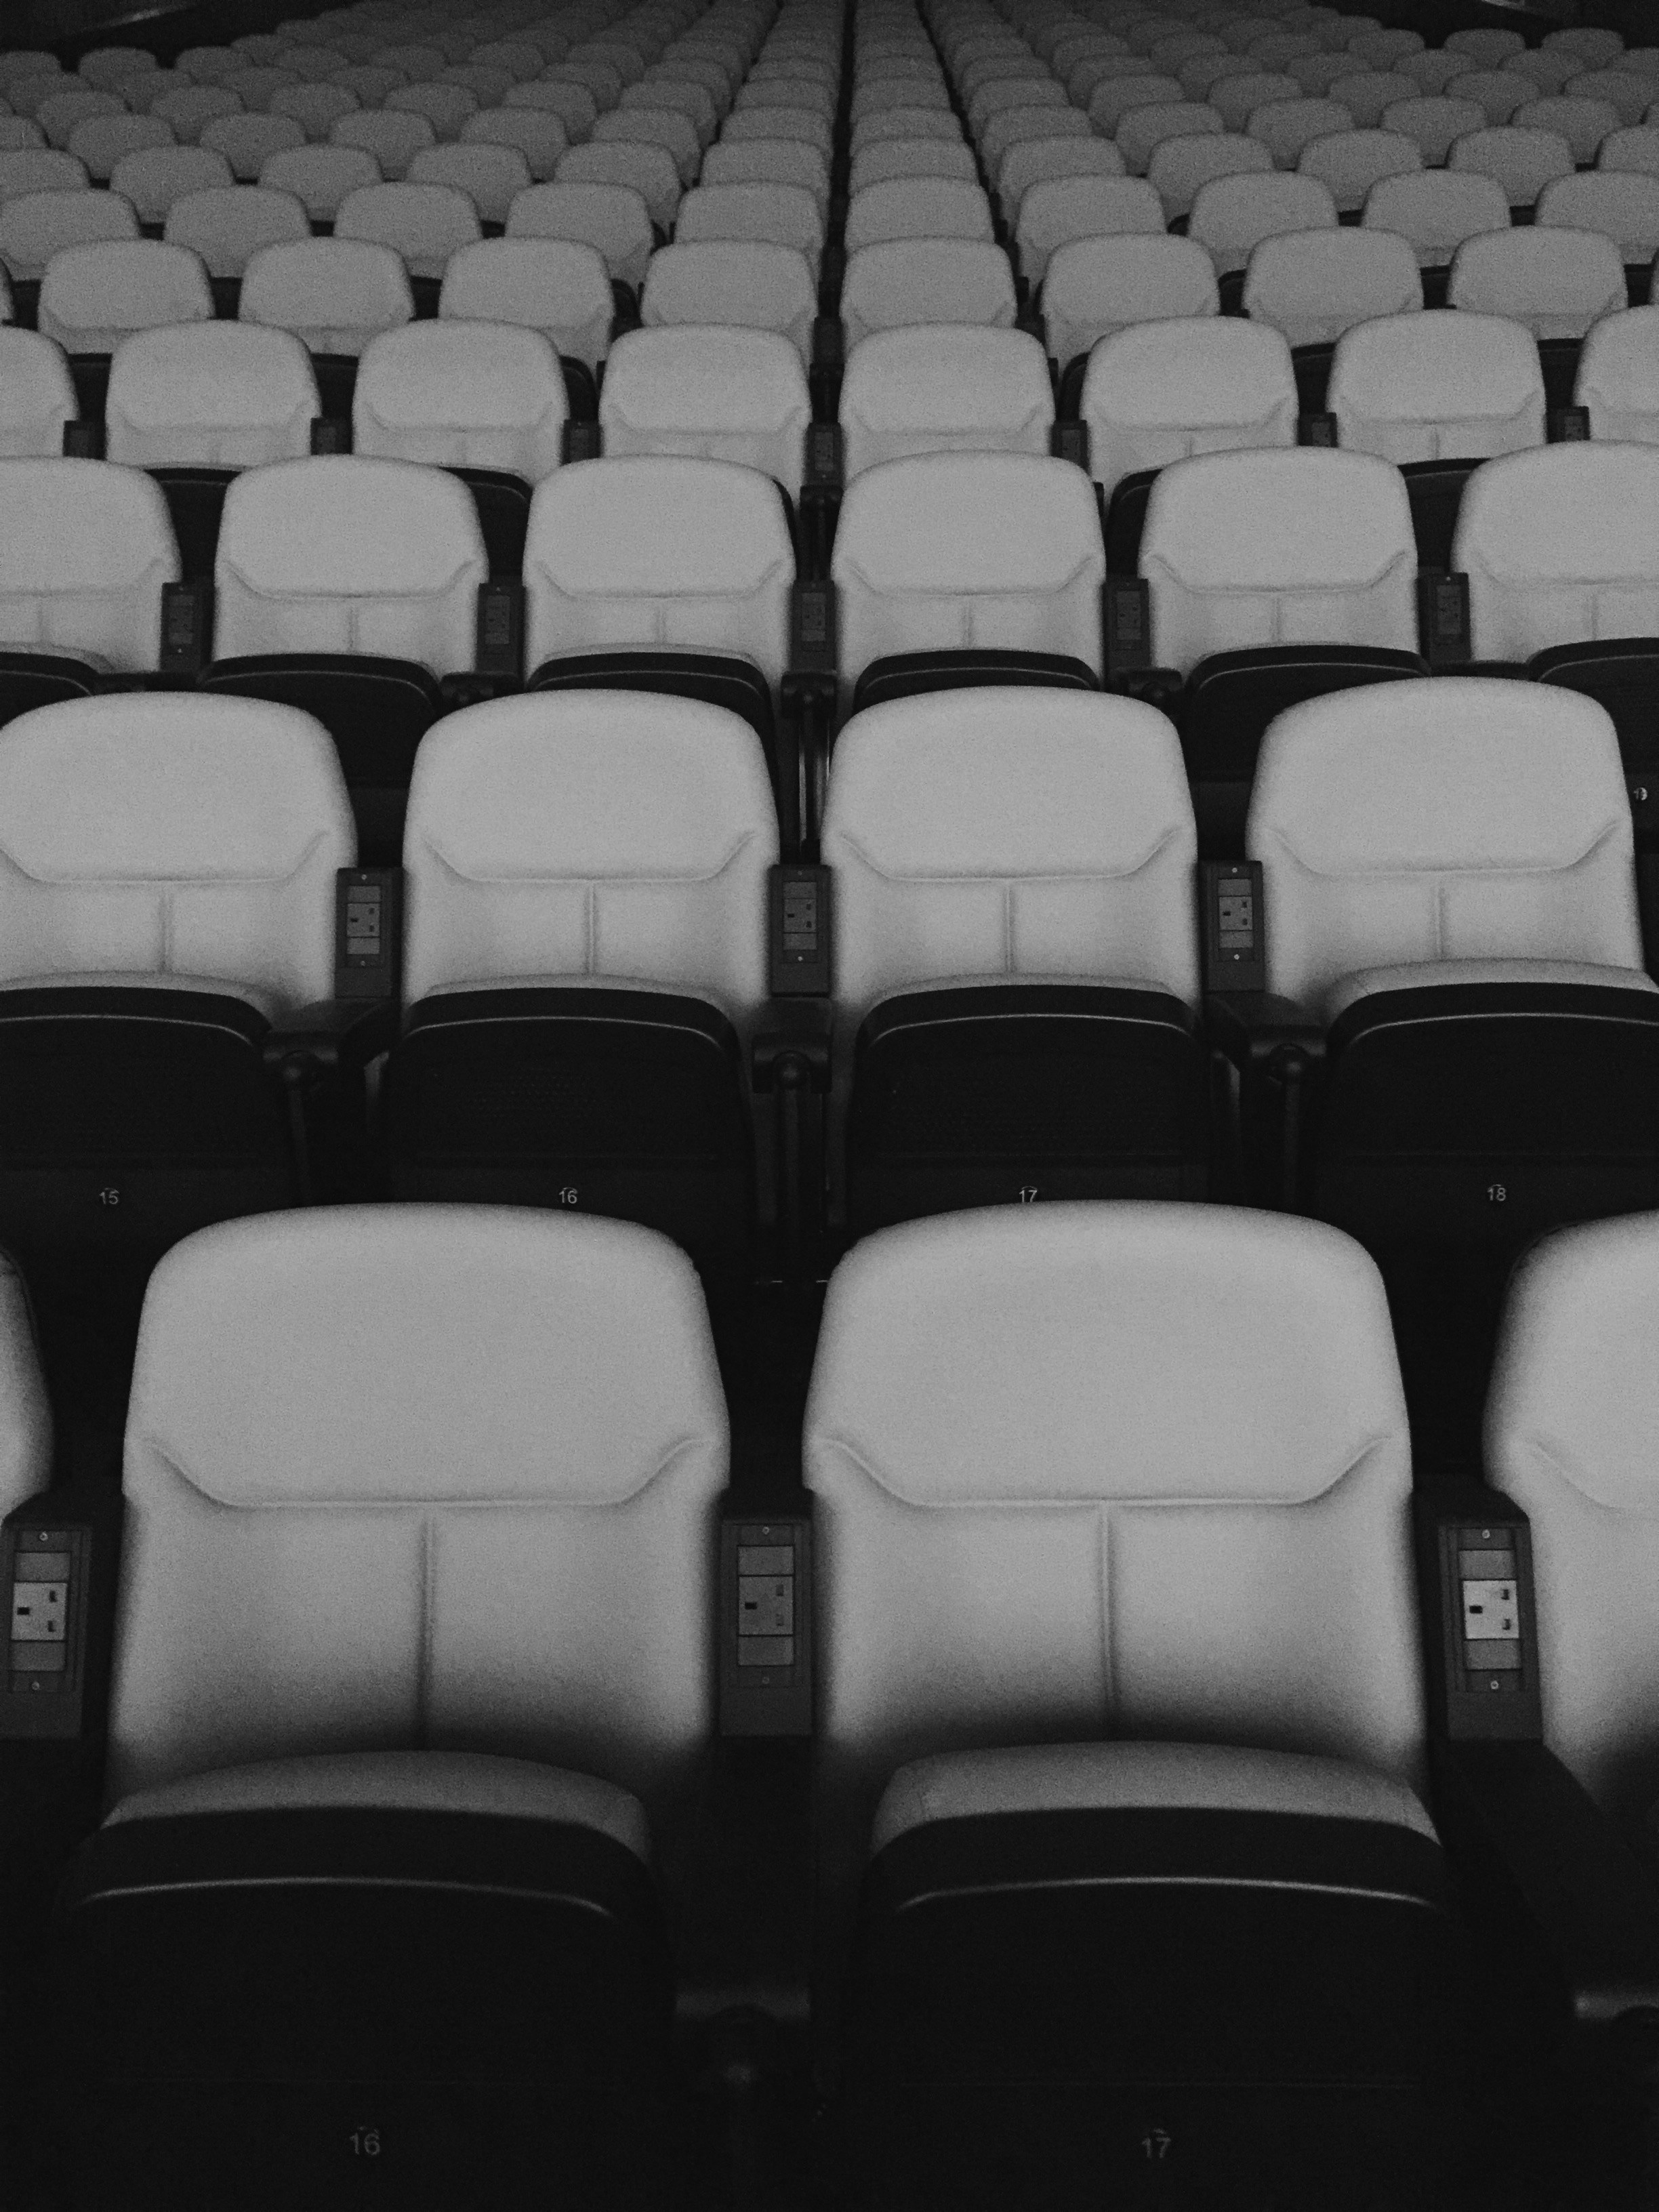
[{"x": 40, "y": 1613}]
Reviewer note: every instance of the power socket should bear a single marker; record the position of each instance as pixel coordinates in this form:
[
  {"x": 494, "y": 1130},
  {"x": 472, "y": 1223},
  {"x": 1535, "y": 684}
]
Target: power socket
[{"x": 40, "y": 1613}]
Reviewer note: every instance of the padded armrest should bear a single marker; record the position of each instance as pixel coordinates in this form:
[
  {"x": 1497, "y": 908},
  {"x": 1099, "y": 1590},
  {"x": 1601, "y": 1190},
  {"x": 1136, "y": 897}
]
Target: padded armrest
[
  {"x": 1538, "y": 1854},
  {"x": 1258, "y": 1031},
  {"x": 331, "y": 1030}
]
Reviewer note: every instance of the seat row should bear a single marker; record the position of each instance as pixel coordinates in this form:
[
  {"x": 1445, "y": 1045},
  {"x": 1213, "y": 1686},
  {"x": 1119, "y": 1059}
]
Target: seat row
[{"x": 437, "y": 1617}]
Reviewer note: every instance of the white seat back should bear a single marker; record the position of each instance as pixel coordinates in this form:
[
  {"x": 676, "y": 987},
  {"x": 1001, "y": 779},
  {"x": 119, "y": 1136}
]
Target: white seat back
[
  {"x": 410, "y": 1478},
  {"x": 1159, "y": 392},
  {"x": 209, "y": 395},
  {"x": 711, "y": 393},
  {"x": 91, "y": 296},
  {"x": 926, "y": 280},
  {"x": 944, "y": 388},
  {"x": 1560, "y": 546},
  {"x": 1232, "y": 214},
  {"x": 1003, "y": 834},
  {"x": 1314, "y": 285},
  {"x": 37, "y": 396},
  {"x": 1098, "y": 285},
  {"x": 552, "y": 285},
  {"x": 753, "y": 286},
  {"x": 462, "y": 395},
  {"x": 333, "y": 294},
  {"x": 1438, "y": 386},
  {"x": 1436, "y": 210},
  {"x": 1619, "y": 377},
  {"x": 343, "y": 554},
  {"x": 85, "y": 552}
]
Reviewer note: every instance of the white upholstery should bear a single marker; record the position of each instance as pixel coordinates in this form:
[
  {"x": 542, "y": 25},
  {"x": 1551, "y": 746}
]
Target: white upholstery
[
  {"x": 25, "y": 1432},
  {"x": 1091, "y": 1469},
  {"x": 1592, "y": 48},
  {"x": 1582, "y": 123},
  {"x": 1179, "y": 169},
  {"x": 1489, "y": 49},
  {"x": 1623, "y": 151},
  {"x": 540, "y": 139},
  {"x": 412, "y": 1478},
  {"x": 39, "y": 169},
  {"x": 333, "y": 294},
  {"x": 424, "y": 223},
  {"x": 552, "y": 285},
  {"x": 1299, "y": 547},
  {"x": 944, "y": 388},
  {"x": 103, "y": 140},
  {"x": 917, "y": 207},
  {"x": 1560, "y": 546},
  {"x": 400, "y": 1781},
  {"x": 1443, "y": 820},
  {"x": 392, "y": 139},
  {"x": 1062, "y": 209},
  {"x": 321, "y": 177},
  {"x": 1618, "y": 376},
  {"x": 461, "y": 395},
  {"x": 1236, "y": 98},
  {"x": 953, "y": 551},
  {"x": 1232, "y": 214},
  {"x": 675, "y": 134},
  {"x": 1496, "y": 93},
  {"x": 1314, "y": 285},
  {"x": 647, "y": 170},
  {"x": 247, "y": 142},
  {"x": 1522, "y": 161},
  {"x": 18, "y": 133},
  {"x": 1408, "y": 974},
  {"x": 777, "y": 160},
  {"x": 1438, "y": 386},
  {"x": 92, "y": 296},
  {"x": 209, "y": 395},
  {"x": 346, "y": 555},
  {"x": 1436, "y": 124},
  {"x": 1349, "y": 162},
  {"x": 1009, "y": 835},
  {"x": 1624, "y": 208},
  {"x": 1144, "y": 130},
  {"x": 926, "y": 280},
  {"x": 37, "y": 396},
  {"x": 753, "y": 286},
  {"x": 488, "y": 175},
  {"x": 1034, "y": 161},
  {"x": 611, "y": 218},
  {"x": 1099, "y": 1777},
  {"x": 1098, "y": 285},
  {"x": 1569, "y": 1436},
  {"x": 85, "y": 547},
  {"x": 1159, "y": 392},
  {"x": 226, "y": 225},
  {"x": 1548, "y": 68},
  {"x": 659, "y": 552},
  {"x": 778, "y": 214},
  {"x": 315, "y": 107},
  {"x": 1286, "y": 126},
  {"x": 575, "y": 836},
  {"x": 710, "y": 392},
  {"x": 1438, "y": 211},
  {"x": 153, "y": 180},
  {"x": 445, "y": 106},
  {"x": 171, "y": 838}
]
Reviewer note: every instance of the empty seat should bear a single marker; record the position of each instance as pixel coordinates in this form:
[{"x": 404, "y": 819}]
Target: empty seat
[
  {"x": 1232, "y": 214},
  {"x": 1098, "y": 285},
  {"x": 445, "y": 106},
  {"x": 92, "y": 296},
  {"x": 1628, "y": 92},
  {"x": 1558, "y": 546},
  {"x": 1008, "y": 1038},
  {"x": 227, "y": 225},
  {"x": 613, "y": 219},
  {"x": 392, "y": 139},
  {"x": 647, "y": 170},
  {"x": 1156, "y": 393},
  {"x": 1624, "y": 208},
  {"x": 1489, "y": 1022},
  {"x": 941, "y": 388},
  {"x": 315, "y": 107},
  {"x": 58, "y": 114},
  {"x": 1496, "y": 93},
  {"x": 783, "y": 161},
  {"x": 320, "y": 177},
  {"x": 1435, "y": 125},
  {"x": 254, "y": 86},
  {"x": 667, "y": 129},
  {"x": 1285, "y": 127},
  {"x": 1618, "y": 376},
  {"x": 187, "y": 112},
  {"x": 774, "y": 213},
  {"x": 1439, "y": 385},
  {"x": 1522, "y": 161},
  {"x": 18, "y": 134},
  {"x": 484, "y": 400},
  {"x": 710, "y": 394},
  {"x": 903, "y": 281},
  {"x": 247, "y": 142},
  {"x": 1236, "y": 99},
  {"x": 1057, "y": 210},
  {"x": 102, "y": 140},
  {"x": 993, "y": 1808},
  {"x": 491, "y": 176},
  {"x": 1582, "y": 123},
  {"x": 334, "y": 295},
  {"x": 349, "y": 587},
  {"x": 37, "y": 225},
  {"x": 541, "y": 139},
  {"x": 968, "y": 567},
  {"x": 1144, "y": 130},
  {"x": 540, "y": 1726},
  {"x": 1034, "y": 161},
  {"x": 424, "y": 224},
  {"x": 1349, "y": 162},
  {"x": 1314, "y": 285},
  {"x": 585, "y": 963},
  {"x": 1592, "y": 47},
  {"x": 1547, "y": 67},
  {"x": 1556, "y": 282},
  {"x": 1566, "y": 1420},
  {"x": 917, "y": 207},
  {"x": 756, "y": 286},
  {"x": 37, "y": 396},
  {"x": 1437, "y": 211},
  {"x": 547, "y": 284},
  {"x": 153, "y": 180},
  {"x": 32, "y": 169},
  {"x": 1625, "y": 150},
  {"x": 1272, "y": 577}
]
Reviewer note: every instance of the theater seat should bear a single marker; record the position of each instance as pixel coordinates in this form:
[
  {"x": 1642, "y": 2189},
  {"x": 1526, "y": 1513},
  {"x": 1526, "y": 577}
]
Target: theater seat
[
  {"x": 411, "y": 1688},
  {"x": 348, "y": 587},
  {"x": 944, "y": 388},
  {"x": 169, "y": 898},
  {"x": 585, "y": 964},
  {"x": 86, "y": 552},
  {"x": 1122, "y": 1724},
  {"x": 710, "y": 394},
  {"x": 968, "y": 568},
  {"x": 1272, "y": 577},
  {"x": 1016, "y": 960},
  {"x": 37, "y": 396}
]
